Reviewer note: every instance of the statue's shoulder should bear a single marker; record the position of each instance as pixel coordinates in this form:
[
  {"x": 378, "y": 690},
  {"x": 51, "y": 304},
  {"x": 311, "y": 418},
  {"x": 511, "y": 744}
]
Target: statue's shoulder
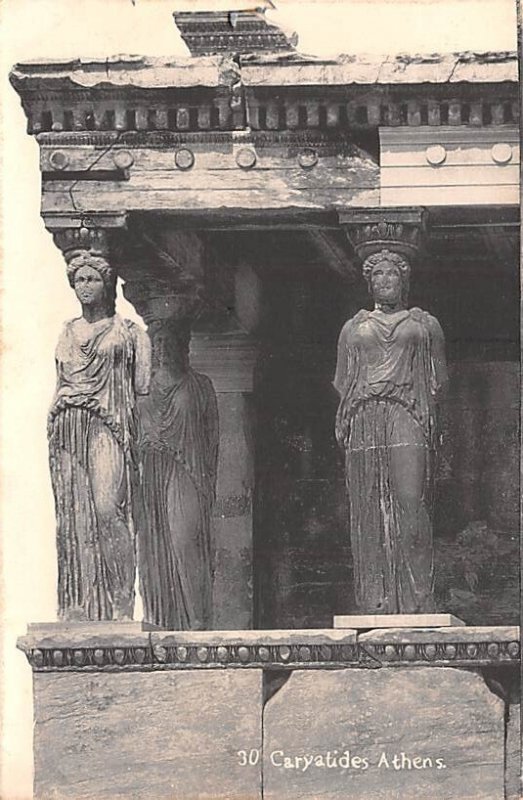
[
  {"x": 418, "y": 314},
  {"x": 422, "y": 316},
  {"x": 356, "y": 320},
  {"x": 67, "y": 327},
  {"x": 203, "y": 380},
  {"x": 127, "y": 323},
  {"x": 427, "y": 320},
  {"x": 136, "y": 331}
]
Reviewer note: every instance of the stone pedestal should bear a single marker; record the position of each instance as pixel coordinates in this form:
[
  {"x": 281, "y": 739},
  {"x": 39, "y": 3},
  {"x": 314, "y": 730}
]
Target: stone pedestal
[
  {"x": 155, "y": 735},
  {"x": 384, "y": 734},
  {"x": 246, "y": 715},
  {"x": 228, "y": 360}
]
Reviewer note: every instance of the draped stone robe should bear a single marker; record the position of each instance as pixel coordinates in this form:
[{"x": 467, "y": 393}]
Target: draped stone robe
[
  {"x": 101, "y": 367},
  {"x": 390, "y": 371},
  {"x": 178, "y": 450}
]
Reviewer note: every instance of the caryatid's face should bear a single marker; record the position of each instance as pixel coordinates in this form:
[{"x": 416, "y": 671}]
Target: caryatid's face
[
  {"x": 386, "y": 283},
  {"x": 167, "y": 350},
  {"x": 89, "y": 286}
]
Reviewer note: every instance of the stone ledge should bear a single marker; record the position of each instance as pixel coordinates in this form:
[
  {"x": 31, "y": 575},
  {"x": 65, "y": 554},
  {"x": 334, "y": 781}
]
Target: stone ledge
[
  {"x": 100, "y": 647},
  {"x": 394, "y": 621},
  {"x": 459, "y": 646}
]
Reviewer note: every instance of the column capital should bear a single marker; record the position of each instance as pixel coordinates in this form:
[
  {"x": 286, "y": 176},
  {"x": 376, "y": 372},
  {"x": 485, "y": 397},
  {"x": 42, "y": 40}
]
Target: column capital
[
  {"x": 400, "y": 230},
  {"x": 74, "y": 233},
  {"x": 157, "y": 300}
]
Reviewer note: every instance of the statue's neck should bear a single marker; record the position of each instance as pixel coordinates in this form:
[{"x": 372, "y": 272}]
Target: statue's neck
[
  {"x": 96, "y": 313},
  {"x": 389, "y": 308}
]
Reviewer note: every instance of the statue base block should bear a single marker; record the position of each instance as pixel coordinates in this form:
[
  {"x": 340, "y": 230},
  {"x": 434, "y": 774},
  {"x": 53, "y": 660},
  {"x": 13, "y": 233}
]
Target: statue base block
[
  {"x": 421, "y": 714},
  {"x": 360, "y": 621}
]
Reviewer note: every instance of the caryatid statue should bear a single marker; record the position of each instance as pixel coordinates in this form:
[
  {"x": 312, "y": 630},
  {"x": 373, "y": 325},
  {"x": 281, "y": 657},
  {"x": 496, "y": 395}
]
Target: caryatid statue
[
  {"x": 390, "y": 374},
  {"x": 178, "y": 445},
  {"x": 103, "y": 365}
]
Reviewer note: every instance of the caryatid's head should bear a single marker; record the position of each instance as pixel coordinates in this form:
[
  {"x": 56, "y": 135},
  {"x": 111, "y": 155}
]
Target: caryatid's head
[
  {"x": 387, "y": 275},
  {"x": 93, "y": 280}
]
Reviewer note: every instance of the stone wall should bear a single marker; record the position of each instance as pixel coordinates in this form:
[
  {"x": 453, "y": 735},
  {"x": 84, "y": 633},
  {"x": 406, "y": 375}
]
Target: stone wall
[{"x": 421, "y": 714}]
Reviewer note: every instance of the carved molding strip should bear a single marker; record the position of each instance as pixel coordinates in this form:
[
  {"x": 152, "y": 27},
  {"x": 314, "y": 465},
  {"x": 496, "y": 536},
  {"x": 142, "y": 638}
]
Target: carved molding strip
[
  {"x": 444, "y": 654},
  {"x": 194, "y": 656},
  {"x": 465, "y": 647}
]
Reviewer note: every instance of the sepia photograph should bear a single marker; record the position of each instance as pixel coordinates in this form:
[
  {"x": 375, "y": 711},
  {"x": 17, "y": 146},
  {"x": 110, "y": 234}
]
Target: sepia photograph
[{"x": 260, "y": 409}]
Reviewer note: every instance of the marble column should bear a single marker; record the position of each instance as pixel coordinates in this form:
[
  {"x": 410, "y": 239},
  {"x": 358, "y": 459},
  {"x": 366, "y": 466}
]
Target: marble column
[
  {"x": 229, "y": 359},
  {"x": 225, "y": 348}
]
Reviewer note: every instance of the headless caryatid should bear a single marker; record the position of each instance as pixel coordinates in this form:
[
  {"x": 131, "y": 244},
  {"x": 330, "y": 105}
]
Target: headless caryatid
[
  {"x": 178, "y": 445},
  {"x": 390, "y": 375}
]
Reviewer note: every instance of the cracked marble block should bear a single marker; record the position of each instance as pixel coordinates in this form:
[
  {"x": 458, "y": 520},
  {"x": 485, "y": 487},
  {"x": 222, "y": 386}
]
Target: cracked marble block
[
  {"x": 143, "y": 735},
  {"x": 384, "y": 734}
]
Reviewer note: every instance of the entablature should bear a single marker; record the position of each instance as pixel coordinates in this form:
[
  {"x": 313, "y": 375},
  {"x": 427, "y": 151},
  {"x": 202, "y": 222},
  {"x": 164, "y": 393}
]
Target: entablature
[
  {"x": 213, "y": 93},
  {"x": 248, "y": 123}
]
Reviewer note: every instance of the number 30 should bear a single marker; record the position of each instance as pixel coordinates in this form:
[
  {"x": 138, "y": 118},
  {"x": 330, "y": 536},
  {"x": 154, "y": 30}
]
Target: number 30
[{"x": 250, "y": 758}]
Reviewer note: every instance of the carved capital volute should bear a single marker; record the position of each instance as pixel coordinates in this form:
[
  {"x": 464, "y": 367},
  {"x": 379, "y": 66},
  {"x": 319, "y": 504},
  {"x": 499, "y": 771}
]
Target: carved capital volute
[{"x": 400, "y": 230}]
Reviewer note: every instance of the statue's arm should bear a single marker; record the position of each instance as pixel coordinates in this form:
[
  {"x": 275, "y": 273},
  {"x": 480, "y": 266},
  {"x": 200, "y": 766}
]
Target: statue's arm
[
  {"x": 213, "y": 434},
  {"x": 438, "y": 358},
  {"x": 142, "y": 371},
  {"x": 340, "y": 376},
  {"x": 59, "y": 345}
]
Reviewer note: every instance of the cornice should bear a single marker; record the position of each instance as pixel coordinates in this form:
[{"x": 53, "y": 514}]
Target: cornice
[{"x": 267, "y": 69}]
